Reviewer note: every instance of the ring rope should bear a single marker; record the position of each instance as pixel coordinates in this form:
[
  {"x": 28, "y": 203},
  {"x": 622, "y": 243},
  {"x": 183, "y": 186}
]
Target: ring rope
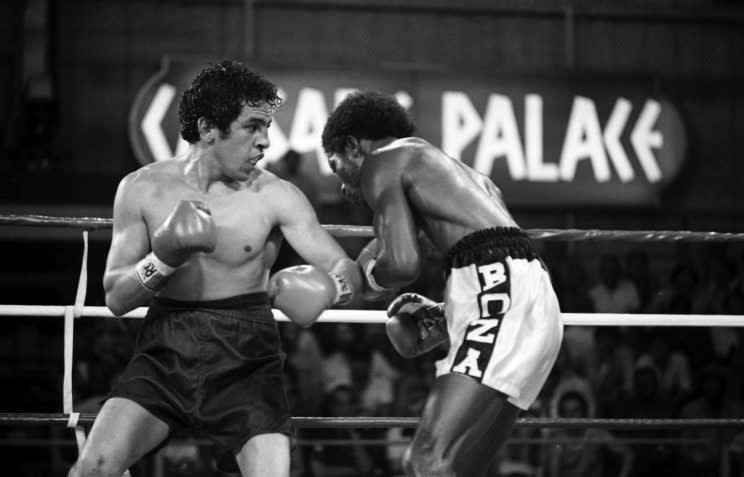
[
  {"x": 72, "y": 419},
  {"x": 675, "y": 441},
  {"x": 42, "y": 419},
  {"x": 72, "y": 312},
  {"x": 573, "y": 235},
  {"x": 379, "y": 316},
  {"x": 650, "y": 441}
]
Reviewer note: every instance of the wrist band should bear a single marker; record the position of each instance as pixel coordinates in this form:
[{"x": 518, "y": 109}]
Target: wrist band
[
  {"x": 152, "y": 272},
  {"x": 371, "y": 282},
  {"x": 343, "y": 290}
]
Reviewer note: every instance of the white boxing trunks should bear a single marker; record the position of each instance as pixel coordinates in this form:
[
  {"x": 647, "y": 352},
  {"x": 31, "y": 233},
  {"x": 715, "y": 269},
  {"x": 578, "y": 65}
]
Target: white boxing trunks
[{"x": 502, "y": 314}]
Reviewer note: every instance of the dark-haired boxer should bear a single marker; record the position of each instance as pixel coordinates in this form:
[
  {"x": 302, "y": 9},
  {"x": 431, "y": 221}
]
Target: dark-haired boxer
[
  {"x": 195, "y": 236},
  {"x": 500, "y": 312}
]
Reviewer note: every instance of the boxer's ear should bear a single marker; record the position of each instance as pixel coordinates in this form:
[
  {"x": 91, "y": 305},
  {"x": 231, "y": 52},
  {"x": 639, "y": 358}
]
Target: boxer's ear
[
  {"x": 352, "y": 146},
  {"x": 207, "y": 131}
]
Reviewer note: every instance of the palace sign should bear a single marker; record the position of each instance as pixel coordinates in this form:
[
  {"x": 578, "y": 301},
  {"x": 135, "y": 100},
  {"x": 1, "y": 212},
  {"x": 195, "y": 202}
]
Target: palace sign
[{"x": 544, "y": 141}]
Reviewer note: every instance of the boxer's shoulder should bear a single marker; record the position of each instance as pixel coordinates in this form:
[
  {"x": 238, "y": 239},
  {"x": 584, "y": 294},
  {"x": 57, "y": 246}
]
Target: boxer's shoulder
[
  {"x": 274, "y": 188},
  {"x": 148, "y": 187},
  {"x": 401, "y": 149},
  {"x": 155, "y": 173},
  {"x": 401, "y": 159}
]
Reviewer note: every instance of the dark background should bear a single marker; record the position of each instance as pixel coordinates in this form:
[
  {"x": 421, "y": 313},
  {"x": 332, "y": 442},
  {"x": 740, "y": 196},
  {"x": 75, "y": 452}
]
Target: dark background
[{"x": 71, "y": 69}]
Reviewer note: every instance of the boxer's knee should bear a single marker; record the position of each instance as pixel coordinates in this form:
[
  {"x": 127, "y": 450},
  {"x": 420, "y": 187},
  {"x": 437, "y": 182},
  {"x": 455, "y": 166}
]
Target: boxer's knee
[{"x": 96, "y": 465}]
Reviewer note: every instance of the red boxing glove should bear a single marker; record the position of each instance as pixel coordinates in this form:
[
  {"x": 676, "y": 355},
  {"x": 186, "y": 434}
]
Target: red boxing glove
[
  {"x": 187, "y": 230},
  {"x": 416, "y": 324},
  {"x": 304, "y": 292}
]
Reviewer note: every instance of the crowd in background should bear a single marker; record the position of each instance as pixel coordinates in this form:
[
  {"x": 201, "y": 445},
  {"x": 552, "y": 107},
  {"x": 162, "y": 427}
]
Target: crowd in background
[
  {"x": 603, "y": 371},
  {"x": 342, "y": 370}
]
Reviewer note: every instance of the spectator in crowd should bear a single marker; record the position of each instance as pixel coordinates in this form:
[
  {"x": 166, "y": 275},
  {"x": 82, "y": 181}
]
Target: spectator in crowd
[
  {"x": 304, "y": 359},
  {"x": 676, "y": 297},
  {"x": 725, "y": 340},
  {"x": 342, "y": 357},
  {"x": 646, "y": 401},
  {"x": 353, "y": 460},
  {"x": 715, "y": 283},
  {"x": 679, "y": 298},
  {"x": 582, "y": 453},
  {"x": 704, "y": 460},
  {"x": 572, "y": 281},
  {"x": 637, "y": 271},
  {"x": 613, "y": 293},
  {"x": 378, "y": 394},
  {"x": 611, "y": 374},
  {"x": 672, "y": 366}
]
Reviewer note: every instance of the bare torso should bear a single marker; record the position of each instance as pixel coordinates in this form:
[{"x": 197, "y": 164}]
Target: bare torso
[
  {"x": 247, "y": 238},
  {"x": 448, "y": 199}
]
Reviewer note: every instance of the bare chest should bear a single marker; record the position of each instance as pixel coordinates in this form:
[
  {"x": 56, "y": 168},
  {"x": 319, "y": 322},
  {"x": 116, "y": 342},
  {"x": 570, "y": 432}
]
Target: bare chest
[{"x": 243, "y": 221}]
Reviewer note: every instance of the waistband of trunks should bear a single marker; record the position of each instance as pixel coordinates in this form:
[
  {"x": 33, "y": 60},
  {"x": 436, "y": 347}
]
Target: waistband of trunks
[
  {"x": 495, "y": 243},
  {"x": 245, "y": 301}
]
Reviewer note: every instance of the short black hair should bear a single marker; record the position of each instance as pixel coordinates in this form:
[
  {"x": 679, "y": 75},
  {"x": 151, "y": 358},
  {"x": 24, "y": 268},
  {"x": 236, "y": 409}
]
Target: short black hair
[
  {"x": 366, "y": 115},
  {"x": 218, "y": 94}
]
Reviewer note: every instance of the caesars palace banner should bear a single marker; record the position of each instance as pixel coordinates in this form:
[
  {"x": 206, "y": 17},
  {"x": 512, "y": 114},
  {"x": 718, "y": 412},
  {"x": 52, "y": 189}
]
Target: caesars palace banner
[{"x": 544, "y": 140}]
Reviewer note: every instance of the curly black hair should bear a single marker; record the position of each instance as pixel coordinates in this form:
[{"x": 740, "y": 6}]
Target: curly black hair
[
  {"x": 366, "y": 115},
  {"x": 218, "y": 94}
]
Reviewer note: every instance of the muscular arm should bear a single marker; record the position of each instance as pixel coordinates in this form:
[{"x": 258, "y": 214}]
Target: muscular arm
[
  {"x": 398, "y": 257},
  {"x": 299, "y": 224},
  {"x": 129, "y": 243}
]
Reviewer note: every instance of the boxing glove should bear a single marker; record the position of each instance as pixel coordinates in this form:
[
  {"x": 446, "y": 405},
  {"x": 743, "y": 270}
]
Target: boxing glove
[
  {"x": 416, "y": 324},
  {"x": 303, "y": 292},
  {"x": 187, "y": 230}
]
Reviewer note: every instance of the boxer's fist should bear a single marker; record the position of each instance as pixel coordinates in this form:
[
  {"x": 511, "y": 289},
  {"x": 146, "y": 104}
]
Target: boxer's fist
[
  {"x": 304, "y": 292},
  {"x": 366, "y": 261},
  {"x": 415, "y": 324},
  {"x": 187, "y": 230}
]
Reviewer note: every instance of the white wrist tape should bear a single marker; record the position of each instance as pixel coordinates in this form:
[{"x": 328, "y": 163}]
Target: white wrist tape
[
  {"x": 371, "y": 282},
  {"x": 343, "y": 290},
  {"x": 152, "y": 272}
]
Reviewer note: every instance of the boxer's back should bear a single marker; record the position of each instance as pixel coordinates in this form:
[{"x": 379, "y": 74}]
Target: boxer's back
[
  {"x": 247, "y": 242},
  {"x": 449, "y": 199}
]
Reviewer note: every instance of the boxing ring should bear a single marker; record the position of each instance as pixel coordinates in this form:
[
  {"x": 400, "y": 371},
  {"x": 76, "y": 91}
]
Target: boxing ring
[{"x": 71, "y": 419}]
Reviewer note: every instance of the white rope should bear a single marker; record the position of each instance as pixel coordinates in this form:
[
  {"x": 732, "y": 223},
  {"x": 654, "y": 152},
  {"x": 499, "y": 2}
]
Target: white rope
[
  {"x": 379, "y": 316},
  {"x": 71, "y": 313},
  {"x": 73, "y": 419}
]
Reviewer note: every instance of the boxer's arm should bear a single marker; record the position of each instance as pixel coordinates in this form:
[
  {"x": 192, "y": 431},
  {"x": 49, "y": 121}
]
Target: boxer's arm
[
  {"x": 399, "y": 257},
  {"x": 302, "y": 230},
  {"x": 129, "y": 244}
]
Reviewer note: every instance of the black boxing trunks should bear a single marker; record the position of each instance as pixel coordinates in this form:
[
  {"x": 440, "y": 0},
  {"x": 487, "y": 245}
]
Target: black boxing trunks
[
  {"x": 502, "y": 314},
  {"x": 212, "y": 366}
]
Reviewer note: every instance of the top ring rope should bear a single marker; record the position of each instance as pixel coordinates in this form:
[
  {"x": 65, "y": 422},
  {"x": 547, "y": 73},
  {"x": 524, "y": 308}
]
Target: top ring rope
[
  {"x": 571, "y": 235},
  {"x": 43, "y": 419}
]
